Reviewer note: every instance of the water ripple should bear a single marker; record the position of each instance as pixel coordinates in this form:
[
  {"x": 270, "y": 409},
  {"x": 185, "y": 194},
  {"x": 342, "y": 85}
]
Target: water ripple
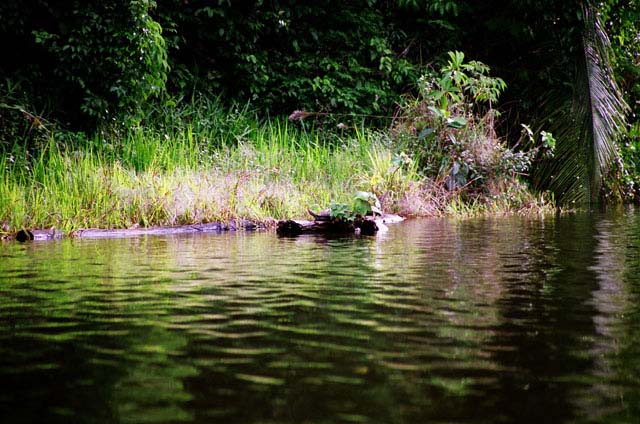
[{"x": 439, "y": 320}]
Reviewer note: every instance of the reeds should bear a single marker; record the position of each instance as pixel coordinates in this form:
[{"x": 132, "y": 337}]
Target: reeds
[{"x": 202, "y": 163}]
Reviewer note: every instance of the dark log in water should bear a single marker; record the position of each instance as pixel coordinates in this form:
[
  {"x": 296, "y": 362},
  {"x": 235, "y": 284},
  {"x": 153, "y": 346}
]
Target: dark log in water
[
  {"x": 214, "y": 227},
  {"x": 364, "y": 226}
]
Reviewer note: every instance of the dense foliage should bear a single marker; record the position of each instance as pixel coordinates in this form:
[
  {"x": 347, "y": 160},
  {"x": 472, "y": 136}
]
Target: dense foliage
[
  {"x": 450, "y": 129},
  {"x": 81, "y": 65},
  {"x": 98, "y": 57},
  {"x": 327, "y": 55}
]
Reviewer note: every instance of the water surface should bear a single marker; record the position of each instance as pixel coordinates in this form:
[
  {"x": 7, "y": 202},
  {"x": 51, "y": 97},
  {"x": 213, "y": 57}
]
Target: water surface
[{"x": 489, "y": 320}]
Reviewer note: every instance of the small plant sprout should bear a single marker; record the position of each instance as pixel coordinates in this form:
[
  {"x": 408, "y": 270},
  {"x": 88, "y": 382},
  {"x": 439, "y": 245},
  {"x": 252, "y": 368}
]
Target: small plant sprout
[
  {"x": 341, "y": 212},
  {"x": 366, "y": 203}
]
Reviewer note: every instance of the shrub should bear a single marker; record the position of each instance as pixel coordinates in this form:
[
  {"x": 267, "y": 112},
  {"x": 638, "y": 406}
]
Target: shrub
[
  {"x": 327, "y": 56},
  {"x": 87, "y": 60},
  {"x": 450, "y": 128}
]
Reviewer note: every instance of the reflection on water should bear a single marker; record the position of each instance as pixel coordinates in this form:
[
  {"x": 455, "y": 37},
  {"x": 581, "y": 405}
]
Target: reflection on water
[{"x": 494, "y": 320}]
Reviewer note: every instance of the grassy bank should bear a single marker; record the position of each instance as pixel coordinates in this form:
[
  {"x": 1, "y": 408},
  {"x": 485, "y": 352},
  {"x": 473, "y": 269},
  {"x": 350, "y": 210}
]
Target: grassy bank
[{"x": 206, "y": 164}]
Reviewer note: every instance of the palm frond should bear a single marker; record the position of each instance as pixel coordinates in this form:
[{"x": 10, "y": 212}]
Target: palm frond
[{"x": 586, "y": 126}]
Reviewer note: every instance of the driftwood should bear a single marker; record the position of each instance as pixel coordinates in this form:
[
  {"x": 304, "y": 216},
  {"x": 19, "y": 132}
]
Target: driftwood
[
  {"x": 365, "y": 226},
  {"x": 214, "y": 227},
  {"x": 321, "y": 225}
]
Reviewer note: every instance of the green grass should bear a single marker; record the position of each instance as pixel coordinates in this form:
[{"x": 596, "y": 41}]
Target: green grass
[{"x": 204, "y": 164}]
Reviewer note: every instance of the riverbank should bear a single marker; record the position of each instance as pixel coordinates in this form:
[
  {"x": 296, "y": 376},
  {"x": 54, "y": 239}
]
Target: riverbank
[{"x": 223, "y": 167}]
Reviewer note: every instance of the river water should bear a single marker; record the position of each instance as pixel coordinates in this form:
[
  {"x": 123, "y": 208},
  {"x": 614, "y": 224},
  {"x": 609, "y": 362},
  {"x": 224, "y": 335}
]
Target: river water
[{"x": 489, "y": 320}]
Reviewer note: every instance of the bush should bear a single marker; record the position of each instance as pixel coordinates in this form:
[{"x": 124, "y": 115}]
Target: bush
[
  {"x": 449, "y": 127},
  {"x": 321, "y": 56},
  {"x": 91, "y": 60}
]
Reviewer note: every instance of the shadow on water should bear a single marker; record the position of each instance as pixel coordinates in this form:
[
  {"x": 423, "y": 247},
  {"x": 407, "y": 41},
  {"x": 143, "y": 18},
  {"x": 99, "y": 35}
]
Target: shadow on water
[
  {"x": 546, "y": 326},
  {"x": 494, "y": 320},
  {"x": 618, "y": 301},
  {"x": 77, "y": 340}
]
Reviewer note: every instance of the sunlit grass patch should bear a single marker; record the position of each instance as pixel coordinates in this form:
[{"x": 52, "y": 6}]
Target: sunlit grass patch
[{"x": 203, "y": 166}]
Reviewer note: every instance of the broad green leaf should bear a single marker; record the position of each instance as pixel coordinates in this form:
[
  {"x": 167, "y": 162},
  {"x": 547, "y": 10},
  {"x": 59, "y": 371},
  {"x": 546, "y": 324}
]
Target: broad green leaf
[{"x": 456, "y": 122}]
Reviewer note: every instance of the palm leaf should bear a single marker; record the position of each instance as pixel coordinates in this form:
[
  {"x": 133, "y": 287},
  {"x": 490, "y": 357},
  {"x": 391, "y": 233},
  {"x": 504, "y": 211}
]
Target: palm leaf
[{"x": 587, "y": 126}]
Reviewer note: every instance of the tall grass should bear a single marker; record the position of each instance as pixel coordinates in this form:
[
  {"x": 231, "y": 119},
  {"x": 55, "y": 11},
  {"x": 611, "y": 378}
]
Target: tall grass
[
  {"x": 203, "y": 163},
  {"x": 183, "y": 172}
]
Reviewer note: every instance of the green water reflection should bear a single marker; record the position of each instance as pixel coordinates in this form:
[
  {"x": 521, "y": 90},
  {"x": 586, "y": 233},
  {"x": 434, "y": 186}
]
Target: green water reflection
[{"x": 494, "y": 320}]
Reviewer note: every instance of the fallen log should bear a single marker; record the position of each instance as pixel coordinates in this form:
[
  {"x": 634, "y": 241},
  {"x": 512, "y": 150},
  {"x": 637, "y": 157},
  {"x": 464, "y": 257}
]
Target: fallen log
[
  {"x": 135, "y": 232},
  {"x": 213, "y": 227},
  {"x": 367, "y": 226}
]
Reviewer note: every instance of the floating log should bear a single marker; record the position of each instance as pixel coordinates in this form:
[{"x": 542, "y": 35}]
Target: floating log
[
  {"x": 214, "y": 227},
  {"x": 134, "y": 232},
  {"x": 364, "y": 226}
]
